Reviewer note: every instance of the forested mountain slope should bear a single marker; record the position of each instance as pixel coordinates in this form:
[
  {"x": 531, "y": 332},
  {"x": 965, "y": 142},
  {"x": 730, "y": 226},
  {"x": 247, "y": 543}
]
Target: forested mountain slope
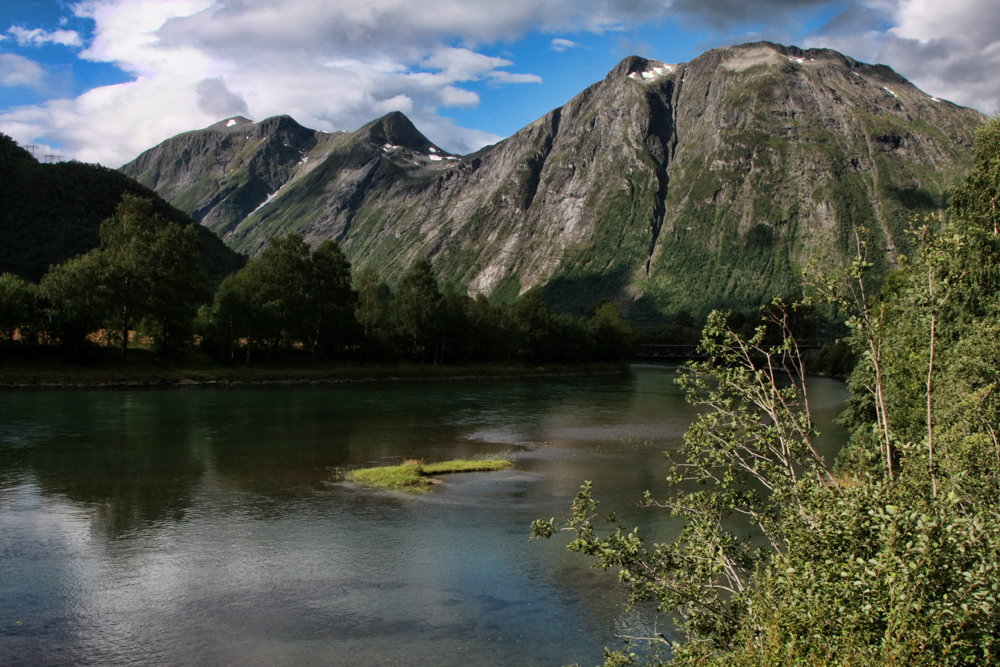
[
  {"x": 664, "y": 187},
  {"x": 50, "y": 213}
]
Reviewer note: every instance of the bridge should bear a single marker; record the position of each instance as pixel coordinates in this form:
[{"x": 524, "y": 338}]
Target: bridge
[
  {"x": 682, "y": 353},
  {"x": 678, "y": 353}
]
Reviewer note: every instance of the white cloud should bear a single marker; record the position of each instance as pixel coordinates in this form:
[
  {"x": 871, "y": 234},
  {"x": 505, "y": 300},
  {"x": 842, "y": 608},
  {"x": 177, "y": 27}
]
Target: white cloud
[
  {"x": 39, "y": 37},
  {"x": 458, "y": 97},
  {"x": 216, "y": 99},
  {"x": 950, "y": 50},
  {"x": 559, "y": 44},
  {"x": 462, "y": 64},
  {"x": 398, "y": 103},
  {"x": 16, "y": 71},
  {"x": 507, "y": 77},
  {"x": 338, "y": 65},
  {"x": 331, "y": 66},
  {"x": 375, "y": 26}
]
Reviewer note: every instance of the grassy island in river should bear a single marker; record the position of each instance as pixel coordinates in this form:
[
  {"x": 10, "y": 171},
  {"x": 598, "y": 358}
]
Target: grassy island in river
[{"x": 416, "y": 476}]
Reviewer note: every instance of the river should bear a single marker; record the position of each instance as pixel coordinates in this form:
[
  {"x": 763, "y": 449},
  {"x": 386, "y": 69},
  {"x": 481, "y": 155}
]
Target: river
[{"x": 208, "y": 526}]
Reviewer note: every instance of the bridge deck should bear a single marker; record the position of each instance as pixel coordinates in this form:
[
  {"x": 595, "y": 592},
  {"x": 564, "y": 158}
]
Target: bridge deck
[{"x": 684, "y": 352}]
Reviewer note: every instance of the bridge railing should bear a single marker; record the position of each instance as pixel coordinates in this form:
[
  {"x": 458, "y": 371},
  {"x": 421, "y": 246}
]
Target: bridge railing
[{"x": 667, "y": 352}]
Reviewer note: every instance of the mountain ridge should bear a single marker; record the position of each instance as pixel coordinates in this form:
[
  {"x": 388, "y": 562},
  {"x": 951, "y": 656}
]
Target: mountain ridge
[{"x": 665, "y": 187}]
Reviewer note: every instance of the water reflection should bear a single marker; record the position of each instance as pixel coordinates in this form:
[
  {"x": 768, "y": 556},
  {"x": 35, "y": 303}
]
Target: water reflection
[{"x": 203, "y": 526}]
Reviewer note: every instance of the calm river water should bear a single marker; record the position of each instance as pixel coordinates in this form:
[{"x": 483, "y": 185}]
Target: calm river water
[{"x": 206, "y": 527}]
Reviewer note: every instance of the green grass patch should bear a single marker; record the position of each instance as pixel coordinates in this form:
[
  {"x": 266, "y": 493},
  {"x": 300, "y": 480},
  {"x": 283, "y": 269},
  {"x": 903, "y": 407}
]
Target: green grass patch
[
  {"x": 459, "y": 465},
  {"x": 416, "y": 476}
]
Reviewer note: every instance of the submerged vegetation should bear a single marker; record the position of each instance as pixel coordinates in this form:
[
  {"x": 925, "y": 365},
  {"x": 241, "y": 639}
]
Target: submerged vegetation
[
  {"x": 417, "y": 476},
  {"x": 888, "y": 556}
]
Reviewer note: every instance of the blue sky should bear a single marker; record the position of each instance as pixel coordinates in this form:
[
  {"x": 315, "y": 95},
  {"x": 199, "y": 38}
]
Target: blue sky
[{"x": 103, "y": 80}]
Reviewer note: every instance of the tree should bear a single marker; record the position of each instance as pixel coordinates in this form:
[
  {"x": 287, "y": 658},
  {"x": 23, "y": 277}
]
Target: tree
[
  {"x": 329, "y": 299},
  {"x": 281, "y": 281},
  {"x": 127, "y": 240},
  {"x": 456, "y": 329},
  {"x": 235, "y": 316},
  {"x": 894, "y": 557},
  {"x": 493, "y": 329},
  {"x": 149, "y": 268},
  {"x": 684, "y": 319},
  {"x": 74, "y": 301},
  {"x": 178, "y": 286},
  {"x": 18, "y": 307},
  {"x": 612, "y": 336},
  {"x": 286, "y": 296},
  {"x": 536, "y": 324},
  {"x": 373, "y": 313},
  {"x": 417, "y": 310}
]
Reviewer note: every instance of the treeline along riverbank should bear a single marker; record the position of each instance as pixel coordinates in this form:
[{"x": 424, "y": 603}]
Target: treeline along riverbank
[
  {"x": 291, "y": 309},
  {"x": 144, "y": 368}
]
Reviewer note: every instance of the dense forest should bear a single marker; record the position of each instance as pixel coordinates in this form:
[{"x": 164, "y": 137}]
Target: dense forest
[
  {"x": 891, "y": 554},
  {"x": 50, "y": 213},
  {"x": 144, "y": 283}
]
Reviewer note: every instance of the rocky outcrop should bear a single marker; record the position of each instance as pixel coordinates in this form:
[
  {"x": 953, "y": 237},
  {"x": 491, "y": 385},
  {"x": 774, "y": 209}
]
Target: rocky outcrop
[{"x": 664, "y": 186}]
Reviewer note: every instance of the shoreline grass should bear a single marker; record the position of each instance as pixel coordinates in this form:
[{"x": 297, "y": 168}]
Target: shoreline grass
[
  {"x": 416, "y": 476},
  {"x": 145, "y": 369}
]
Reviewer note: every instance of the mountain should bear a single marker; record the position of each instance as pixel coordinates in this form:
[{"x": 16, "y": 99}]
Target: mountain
[
  {"x": 665, "y": 187},
  {"x": 50, "y": 213}
]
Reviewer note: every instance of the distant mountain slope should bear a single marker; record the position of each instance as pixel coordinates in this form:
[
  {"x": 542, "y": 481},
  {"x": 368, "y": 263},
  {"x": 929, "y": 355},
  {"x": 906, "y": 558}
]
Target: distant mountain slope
[
  {"x": 52, "y": 212},
  {"x": 664, "y": 187}
]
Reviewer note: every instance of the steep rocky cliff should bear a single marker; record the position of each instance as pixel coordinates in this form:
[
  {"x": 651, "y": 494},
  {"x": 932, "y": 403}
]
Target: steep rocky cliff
[{"x": 664, "y": 186}]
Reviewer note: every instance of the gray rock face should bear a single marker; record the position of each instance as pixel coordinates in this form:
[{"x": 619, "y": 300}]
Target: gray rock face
[{"x": 666, "y": 187}]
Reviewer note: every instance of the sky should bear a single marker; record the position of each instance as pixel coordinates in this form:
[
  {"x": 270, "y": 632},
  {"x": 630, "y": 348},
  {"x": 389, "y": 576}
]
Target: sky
[{"x": 103, "y": 80}]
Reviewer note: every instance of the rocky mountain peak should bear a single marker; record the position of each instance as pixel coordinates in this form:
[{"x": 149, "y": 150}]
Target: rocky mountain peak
[
  {"x": 395, "y": 129},
  {"x": 744, "y": 56},
  {"x": 631, "y": 65},
  {"x": 234, "y": 124},
  {"x": 665, "y": 187}
]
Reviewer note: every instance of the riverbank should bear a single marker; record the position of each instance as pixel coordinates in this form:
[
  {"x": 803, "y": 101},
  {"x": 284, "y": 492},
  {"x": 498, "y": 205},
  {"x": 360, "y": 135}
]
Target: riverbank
[{"x": 144, "y": 369}]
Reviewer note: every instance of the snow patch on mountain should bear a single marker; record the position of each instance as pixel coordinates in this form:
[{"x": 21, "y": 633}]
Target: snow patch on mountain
[
  {"x": 652, "y": 73},
  {"x": 266, "y": 201}
]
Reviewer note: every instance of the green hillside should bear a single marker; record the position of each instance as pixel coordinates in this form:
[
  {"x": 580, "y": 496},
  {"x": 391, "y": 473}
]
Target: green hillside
[{"x": 52, "y": 212}]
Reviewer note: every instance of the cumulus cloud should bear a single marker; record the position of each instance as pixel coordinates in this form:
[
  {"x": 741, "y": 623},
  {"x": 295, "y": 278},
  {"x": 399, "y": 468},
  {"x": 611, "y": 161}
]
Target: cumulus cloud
[
  {"x": 559, "y": 44},
  {"x": 950, "y": 50},
  {"x": 39, "y": 37},
  {"x": 217, "y": 100},
  {"x": 725, "y": 15},
  {"x": 17, "y": 71},
  {"x": 402, "y": 103},
  {"x": 378, "y": 26},
  {"x": 338, "y": 65},
  {"x": 331, "y": 66}
]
